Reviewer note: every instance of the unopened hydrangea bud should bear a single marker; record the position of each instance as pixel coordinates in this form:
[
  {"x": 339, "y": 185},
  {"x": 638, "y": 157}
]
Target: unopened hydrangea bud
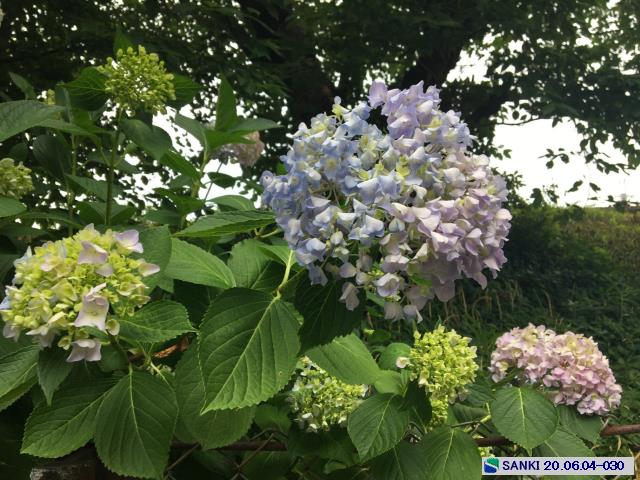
[
  {"x": 15, "y": 180},
  {"x": 138, "y": 80},
  {"x": 409, "y": 197},
  {"x": 64, "y": 289},
  {"x": 321, "y": 400},
  {"x": 443, "y": 362},
  {"x": 570, "y": 367}
]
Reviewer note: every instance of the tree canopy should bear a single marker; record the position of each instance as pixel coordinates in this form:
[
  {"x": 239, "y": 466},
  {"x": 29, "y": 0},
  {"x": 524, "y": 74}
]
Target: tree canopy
[{"x": 287, "y": 59}]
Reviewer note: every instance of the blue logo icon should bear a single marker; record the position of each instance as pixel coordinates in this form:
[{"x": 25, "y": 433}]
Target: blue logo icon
[{"x": 491, "y": 465}]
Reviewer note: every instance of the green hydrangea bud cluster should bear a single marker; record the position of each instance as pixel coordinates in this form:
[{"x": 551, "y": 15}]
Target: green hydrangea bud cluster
[
  {"x": 443, "y": 362},
  {"x": 71, "y": 288},
  {"x": 138, "y": 80},
  {"x": 321, "y": 400},
  {"x": 15, "y": 180}
]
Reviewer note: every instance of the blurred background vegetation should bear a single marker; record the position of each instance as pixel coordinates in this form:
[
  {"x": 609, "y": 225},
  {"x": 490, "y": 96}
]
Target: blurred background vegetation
[{"x": 570, "y": 268}]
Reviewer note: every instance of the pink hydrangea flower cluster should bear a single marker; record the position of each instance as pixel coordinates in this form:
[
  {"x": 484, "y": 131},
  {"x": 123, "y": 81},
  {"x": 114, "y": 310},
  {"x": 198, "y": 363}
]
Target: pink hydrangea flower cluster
[{"x": 570, "y": 366}]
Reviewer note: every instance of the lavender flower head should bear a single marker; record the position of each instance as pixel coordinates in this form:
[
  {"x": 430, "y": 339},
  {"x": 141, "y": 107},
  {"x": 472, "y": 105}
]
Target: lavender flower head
[
  {"x": 402, "y": 212},
  {"x": 570, "y": 367}
]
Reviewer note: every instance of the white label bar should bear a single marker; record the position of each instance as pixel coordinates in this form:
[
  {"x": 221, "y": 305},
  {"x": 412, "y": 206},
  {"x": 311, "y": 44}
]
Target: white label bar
[{"x": 550, "y": 466}]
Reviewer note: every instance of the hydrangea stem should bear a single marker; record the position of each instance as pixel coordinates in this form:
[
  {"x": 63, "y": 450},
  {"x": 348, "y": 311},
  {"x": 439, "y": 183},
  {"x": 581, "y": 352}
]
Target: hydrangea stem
[{"x": 110, "y": 169}]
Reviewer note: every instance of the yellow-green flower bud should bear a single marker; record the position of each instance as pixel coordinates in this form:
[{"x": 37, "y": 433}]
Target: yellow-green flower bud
[
  {"x": 321, "y": 400},
  {"x": 443, "y": 362},
  {"x": 15, "y": 180},
  {"x": 138, "y": 80}
]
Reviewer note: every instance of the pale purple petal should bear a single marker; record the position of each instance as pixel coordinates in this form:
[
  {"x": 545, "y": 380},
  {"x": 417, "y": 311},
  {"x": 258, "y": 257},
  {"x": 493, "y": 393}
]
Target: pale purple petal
[
  {"x": 85, "y": 349},
  {"x": 92, "y": 254}
]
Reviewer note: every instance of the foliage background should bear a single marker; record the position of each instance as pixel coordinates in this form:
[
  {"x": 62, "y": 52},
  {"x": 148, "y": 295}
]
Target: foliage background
[{"x": 568, "y": 268}]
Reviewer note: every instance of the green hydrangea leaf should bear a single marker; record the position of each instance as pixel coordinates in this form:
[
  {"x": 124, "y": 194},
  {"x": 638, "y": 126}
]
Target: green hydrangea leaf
[
  {"x": 586, "y": 427},
  {"x": 53, "y": 369},
  {"x": 524, "y": 415},
  {"x": 10, "y": 207},
  {"x": 248, "y": 348},
  {"x": 135, "y": 425},
  {"x": 228, "y": 223},
  {"x": 68, "y": 423},
  {"x": 17, "y": 368},
  {"x": 157, "y": 249},
  {"x": 348, "y": 359},
  {"x": 212, "y": 429},
  {"x": 252, "y": 268},
  {"x": 377, "y": 425},
  {"x": 227, "y": 203},
  {"x": 451, "y": 454},
  {"x": 390, "y": 354},
  {"x": 88, "y": 90},
  {"x": 402, "y": 462},
  {"x": 226, "y": 106},
  {"x": 192, "y": 264},
  {"x": 325, "y": 316},
  {"x": 156, "y": 322},
  {"x": 21, "y": 115},
  {"x": 152, "y": 139},
  {"x": 95, "y": 187},
  {"x": 186, "y": 90}
]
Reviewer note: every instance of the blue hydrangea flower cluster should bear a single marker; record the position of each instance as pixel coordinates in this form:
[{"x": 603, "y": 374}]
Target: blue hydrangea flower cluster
[{"x": 403, "y": 212}]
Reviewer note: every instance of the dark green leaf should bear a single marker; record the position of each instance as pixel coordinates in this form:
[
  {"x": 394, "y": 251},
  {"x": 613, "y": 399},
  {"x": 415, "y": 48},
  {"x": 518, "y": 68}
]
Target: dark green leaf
[
  {"x": 348, "y": 359},
  {"x": 152, "y": 139},
  {"x": 228, "y": 223},
  {"x": 135, "y": 425},
  {"x": 17, "y": 368},
  {"x": 192, "y": 264},
  {"x": 156, "y": 322},
  {"x": 53, "y": 369},
  {"x": 585, "y": 426},
  {"x": 248, "y": 348},
  {"x": 87, "y": 91},
  {"x": 53, "y": 154},
  {"x": 24, "y": 86},
  {"x": 225, "y": 106},
  {"x": 228, "y": 203},
  {"x": 157, "y": 249},
  {"x": 451, "y": 454},
  {"x": 179, "y": 164},
  {"x": 523, "y": 415},
  {"x": 254, "y": 125},
  {"x": 186, "y": 90},
  {"x": 96, "y": 187},
  {"x": 325, "y": 316},
  {"x": 68, "y": 423},
  {"x": 377, "y": 425},
  {"x": 10, "y": 207},
  {"x": 21, "y": 115},
  {"x": 402, "y": 462},
  {"x": 212, "y": 429},
  {"x": 252, "y": 268}
]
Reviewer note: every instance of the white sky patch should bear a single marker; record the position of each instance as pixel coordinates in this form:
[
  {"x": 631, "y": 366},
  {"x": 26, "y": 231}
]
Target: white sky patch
[{"x": 530, "y": 141}]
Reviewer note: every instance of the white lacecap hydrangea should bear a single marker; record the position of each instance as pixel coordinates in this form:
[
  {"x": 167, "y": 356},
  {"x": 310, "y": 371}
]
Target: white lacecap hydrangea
[{"x": 403, "y": 211}]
